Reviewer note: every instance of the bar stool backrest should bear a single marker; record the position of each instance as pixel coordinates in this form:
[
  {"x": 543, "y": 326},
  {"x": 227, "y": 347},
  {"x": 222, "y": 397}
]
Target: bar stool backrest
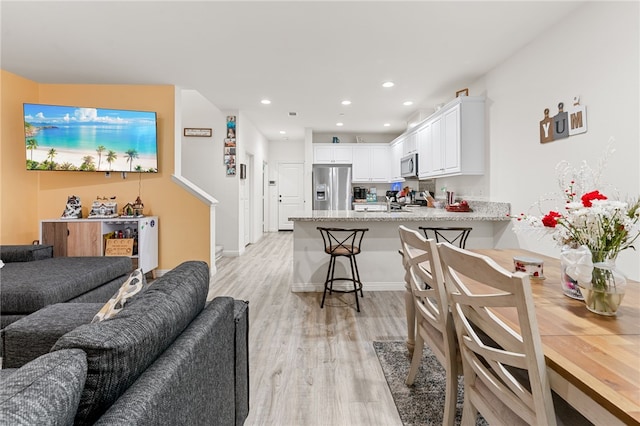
[
  {"x": 342, "y": 241},
  {"x": 453, "y": 235}
]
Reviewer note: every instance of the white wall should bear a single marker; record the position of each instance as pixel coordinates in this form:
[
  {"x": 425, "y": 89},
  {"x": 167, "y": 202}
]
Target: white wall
[
  {"x": 203, "y": 164},
  {"x": 593, "y": 53},
  {"x": 251, "y": 141}
]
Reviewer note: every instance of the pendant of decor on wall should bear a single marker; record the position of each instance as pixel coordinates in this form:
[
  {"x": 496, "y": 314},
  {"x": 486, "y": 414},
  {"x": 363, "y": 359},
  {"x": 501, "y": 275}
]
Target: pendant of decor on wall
[
  {"x": 230, "y": 146},
  {"x": 564, "y": 123}
]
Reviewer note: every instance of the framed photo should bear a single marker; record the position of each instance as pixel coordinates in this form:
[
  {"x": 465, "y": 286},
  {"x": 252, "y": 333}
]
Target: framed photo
[
  {"x": 463, "y": 92},
  {"x": 200, "y": 132}
]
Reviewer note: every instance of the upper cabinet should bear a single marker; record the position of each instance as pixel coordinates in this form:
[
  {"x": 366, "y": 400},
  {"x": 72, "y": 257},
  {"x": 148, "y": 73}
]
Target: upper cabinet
[
  {"x": 325, "y": 153},
  {"x": 396, "y": 155},
  {"x": 410, "y": 145},
  {"x": 371, "y": 163},
  {"x": 451, "y": 141}
]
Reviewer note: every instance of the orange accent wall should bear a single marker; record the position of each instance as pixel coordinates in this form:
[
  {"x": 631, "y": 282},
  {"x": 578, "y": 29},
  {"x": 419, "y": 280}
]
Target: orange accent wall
[{"x": 30, "y": 196}]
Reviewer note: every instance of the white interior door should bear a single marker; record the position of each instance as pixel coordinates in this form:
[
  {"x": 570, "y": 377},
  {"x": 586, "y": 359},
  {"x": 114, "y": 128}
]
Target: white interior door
[{"x": 290, "y": 193}]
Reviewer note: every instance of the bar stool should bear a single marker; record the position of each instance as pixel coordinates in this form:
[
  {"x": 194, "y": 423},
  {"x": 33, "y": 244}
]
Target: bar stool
[
  {"x": 452, "y": 235},
  {"x": 347, "y": 243}
]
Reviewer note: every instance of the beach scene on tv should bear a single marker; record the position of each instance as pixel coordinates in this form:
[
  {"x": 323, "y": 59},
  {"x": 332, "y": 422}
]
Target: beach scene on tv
[{"x": 90, "y": 139}]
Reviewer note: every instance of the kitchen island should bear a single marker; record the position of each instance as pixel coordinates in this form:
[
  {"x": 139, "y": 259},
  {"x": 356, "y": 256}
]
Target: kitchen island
[{"x": 379, "y": 263}]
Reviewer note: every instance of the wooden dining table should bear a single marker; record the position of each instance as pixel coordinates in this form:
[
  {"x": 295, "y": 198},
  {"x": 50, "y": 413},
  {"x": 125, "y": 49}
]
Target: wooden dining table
[{"x": 593, "y": 361}]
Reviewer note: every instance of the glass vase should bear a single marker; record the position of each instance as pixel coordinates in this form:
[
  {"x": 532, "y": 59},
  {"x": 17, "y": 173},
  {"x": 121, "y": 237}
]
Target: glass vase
[
  {"x": 604, "y": 293},
  {"x": 570, "y": 287}
]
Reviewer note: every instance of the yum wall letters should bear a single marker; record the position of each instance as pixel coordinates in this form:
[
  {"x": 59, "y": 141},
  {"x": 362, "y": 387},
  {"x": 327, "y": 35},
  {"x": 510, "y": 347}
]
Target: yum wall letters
[{"x": 564, "y": 123}]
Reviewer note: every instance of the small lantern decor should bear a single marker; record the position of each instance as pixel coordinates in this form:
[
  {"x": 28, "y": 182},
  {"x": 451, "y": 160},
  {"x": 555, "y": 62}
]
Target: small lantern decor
[{"x": 138, "y": 208}]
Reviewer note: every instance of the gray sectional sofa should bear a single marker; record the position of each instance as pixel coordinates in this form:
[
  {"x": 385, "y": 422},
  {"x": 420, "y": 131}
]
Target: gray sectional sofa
[
  {"x": 168, "y": 358},
  {"x": 32, "y": 279}
]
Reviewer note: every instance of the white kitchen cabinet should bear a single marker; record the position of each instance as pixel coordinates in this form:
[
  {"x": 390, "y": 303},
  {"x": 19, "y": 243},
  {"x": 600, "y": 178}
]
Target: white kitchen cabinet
[
  {"x": 396, "y": 156},
  {"x": 370, "y": 163},
  {"x": 332, "y": 154},
  {"x": 410, "y": 145},
  {"x": 454, "y": 143}
]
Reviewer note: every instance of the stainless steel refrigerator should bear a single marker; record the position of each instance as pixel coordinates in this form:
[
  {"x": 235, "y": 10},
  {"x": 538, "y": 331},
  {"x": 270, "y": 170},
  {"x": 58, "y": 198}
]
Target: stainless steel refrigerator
[{"x": 331, "y": 187}]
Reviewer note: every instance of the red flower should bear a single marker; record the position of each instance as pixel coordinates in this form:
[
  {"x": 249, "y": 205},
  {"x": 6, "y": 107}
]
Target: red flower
[
  {"x": 590, "y": 196},
  {"x": 551, "y": 219}
]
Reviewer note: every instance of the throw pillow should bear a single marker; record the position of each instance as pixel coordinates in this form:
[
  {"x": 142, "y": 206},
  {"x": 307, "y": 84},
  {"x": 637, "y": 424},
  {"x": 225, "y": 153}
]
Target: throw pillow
[
  {"x": 45, "y": 391},
  {"x": 132, "y": 286}
]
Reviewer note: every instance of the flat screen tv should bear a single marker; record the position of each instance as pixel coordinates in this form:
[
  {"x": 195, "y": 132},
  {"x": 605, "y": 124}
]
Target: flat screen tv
[{"x": 90, "y": 139}]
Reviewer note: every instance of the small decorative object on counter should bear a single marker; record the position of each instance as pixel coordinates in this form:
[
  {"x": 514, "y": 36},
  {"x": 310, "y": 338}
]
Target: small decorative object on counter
[
  {"x": 138, "y": 208},
  {"x": 530, "y": 265},
  {"x": 104, "y": 207},
  {"x": 73, "y": 210},
  {"x": 604, "y": 290}
]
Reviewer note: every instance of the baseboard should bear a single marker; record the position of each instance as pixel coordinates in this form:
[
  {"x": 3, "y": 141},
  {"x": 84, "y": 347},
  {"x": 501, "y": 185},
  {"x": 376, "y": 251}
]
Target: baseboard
[{"x": 319, "y": 287}]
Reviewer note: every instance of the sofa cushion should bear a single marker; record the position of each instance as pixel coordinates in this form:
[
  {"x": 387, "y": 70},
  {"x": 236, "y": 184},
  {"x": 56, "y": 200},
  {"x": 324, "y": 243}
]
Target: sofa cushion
[
  {"x": 25, "y": 252},
  {"x": 120, "y": 349},
  {"x": 45, "y": 391},
  {"x": 131, "y": 287},
  {"x": 29, "y": 286},
  {"x": 35, "y": 334}
]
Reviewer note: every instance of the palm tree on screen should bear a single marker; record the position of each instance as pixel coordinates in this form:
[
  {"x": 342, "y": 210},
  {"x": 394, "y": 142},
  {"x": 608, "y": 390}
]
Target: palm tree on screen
[
  {"x": 31, "y": 145},
  {"x": 52, "y": 153},
  {"x": 100, "y": 150},
  {"x": 87, "y": 163},
  {"x": 111, "y": 157},
  {"x": 130, "y": 155}
]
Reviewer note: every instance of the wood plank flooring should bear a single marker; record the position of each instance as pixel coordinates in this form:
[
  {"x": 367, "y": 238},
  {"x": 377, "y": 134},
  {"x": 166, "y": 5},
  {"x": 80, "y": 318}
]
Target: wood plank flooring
[{"x": 310, "y": 366}]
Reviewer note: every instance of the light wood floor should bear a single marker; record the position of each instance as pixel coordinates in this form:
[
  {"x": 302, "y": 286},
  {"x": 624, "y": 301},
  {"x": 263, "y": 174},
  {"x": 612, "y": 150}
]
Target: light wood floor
[{"x": 310, "y": 366}]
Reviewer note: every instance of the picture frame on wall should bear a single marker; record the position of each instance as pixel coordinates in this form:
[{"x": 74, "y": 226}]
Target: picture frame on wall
[
  {"x": 463, "y": 92},
  {"x": 198, "y": 132}
]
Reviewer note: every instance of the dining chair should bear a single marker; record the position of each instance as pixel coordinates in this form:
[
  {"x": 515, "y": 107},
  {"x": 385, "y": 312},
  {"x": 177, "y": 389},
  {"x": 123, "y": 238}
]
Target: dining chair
[
  {"x": 451, "y": 234},
  {"x": 505, "y": 376},
  {"x": 434, "y": 323}
]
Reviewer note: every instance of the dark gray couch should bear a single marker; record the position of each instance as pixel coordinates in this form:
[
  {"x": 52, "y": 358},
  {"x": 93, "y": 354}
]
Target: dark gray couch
[
  {"x": 32, "y": 279},
  {"x": 167, "y": 358}
]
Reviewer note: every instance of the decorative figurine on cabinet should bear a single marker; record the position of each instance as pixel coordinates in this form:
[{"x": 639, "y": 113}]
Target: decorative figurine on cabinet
[
  {"x": 127, "y": 210},
  {"x": 104, "y": 207},
  {"x": 138, "y": 208},
  {"x": 73, "y": 210}
]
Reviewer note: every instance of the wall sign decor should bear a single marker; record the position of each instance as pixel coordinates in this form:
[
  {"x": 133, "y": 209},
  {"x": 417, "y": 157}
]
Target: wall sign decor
[
  {"x": 230, "y": 146},
  {"x": 463, "y": 92},
  {"x": 564, "y": 123},
  {"x": 196, "y": 131}
]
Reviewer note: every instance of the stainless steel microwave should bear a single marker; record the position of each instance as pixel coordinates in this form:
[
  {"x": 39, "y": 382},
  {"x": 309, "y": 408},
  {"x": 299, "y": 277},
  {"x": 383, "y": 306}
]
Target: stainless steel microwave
[{"x": 409, "y": 166}]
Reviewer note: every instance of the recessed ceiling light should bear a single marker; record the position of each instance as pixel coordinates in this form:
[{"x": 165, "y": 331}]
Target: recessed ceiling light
[
  {"x": 388, "y": 84},
  {"x": 282, "y": 132},
  {"x": 346, "y": 102},
  {"x": 407, "y": 103},
  {"x": 339, "y": 124},
  {"x": 265, "y": 101},
  {"x": 387, "y": 124}
]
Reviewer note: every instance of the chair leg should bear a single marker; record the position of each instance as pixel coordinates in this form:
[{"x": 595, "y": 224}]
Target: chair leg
[
  {"x": 416, "y": 359},
  {"x": 333, "y": 270},
  {"x": 355, "y": 283},
  {"x": 326, "y": 281},
  {"x": 355, "y": 262},
  {"x": 450, "y": 398}
]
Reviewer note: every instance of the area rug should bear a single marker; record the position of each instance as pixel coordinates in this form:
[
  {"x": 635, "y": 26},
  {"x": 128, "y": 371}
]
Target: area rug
[{"x": 423, "y": 403}]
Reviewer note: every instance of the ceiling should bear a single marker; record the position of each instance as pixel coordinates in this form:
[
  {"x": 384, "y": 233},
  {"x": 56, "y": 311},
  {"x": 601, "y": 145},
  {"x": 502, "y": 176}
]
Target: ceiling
[{"x": 304, "y": 56}]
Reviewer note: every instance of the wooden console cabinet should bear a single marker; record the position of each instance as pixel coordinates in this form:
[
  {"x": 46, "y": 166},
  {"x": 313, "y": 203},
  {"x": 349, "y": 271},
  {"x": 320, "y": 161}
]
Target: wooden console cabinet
[{"x": 85, "y": 237}]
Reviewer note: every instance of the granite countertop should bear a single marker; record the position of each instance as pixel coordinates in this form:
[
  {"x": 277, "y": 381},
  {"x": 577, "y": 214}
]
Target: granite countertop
[{"x": 482, "y": 211}]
